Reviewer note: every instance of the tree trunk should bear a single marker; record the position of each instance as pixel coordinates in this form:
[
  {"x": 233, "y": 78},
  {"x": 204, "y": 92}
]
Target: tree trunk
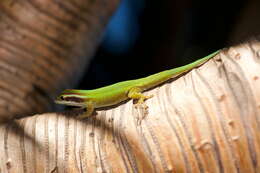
[
  {"x": 44, "y": 47},
  {"x": 207, "y": 120}
]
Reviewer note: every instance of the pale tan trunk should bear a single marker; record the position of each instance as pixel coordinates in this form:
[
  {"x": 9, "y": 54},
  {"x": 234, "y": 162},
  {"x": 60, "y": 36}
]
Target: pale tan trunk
[{"x": 206, "y": 121}]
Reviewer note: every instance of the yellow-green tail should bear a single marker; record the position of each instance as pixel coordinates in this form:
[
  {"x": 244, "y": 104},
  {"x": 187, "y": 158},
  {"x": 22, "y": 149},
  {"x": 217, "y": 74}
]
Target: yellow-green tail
[{"x": 160, "y": 77}]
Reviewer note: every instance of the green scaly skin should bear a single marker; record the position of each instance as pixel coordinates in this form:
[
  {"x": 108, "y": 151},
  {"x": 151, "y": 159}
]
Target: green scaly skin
[{"x": 121, "y": 91}]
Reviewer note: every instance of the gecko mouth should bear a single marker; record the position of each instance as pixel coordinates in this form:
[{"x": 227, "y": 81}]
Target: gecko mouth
[{"x": 68, "y": 103}]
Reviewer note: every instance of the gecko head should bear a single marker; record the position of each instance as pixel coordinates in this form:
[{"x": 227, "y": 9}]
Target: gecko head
[{"x": 71, "y": 98}]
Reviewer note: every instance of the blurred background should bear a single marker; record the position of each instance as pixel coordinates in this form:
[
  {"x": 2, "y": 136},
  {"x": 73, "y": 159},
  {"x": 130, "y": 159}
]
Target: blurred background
[{"x": 149, "y": 36}]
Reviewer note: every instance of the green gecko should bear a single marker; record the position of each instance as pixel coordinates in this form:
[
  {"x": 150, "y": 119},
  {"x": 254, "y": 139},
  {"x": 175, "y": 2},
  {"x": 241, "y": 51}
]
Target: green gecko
[{"x": 121, "y": 91}]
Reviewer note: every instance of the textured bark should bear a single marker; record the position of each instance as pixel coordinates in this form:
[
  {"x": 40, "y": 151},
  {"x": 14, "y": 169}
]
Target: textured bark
[
  {"x": 205, "y": 121},
  {"x": 44, "y": 46}
]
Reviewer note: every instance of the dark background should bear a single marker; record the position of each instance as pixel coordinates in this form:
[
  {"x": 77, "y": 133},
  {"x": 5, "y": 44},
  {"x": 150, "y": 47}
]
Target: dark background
[{"x": 149, "y": 36}]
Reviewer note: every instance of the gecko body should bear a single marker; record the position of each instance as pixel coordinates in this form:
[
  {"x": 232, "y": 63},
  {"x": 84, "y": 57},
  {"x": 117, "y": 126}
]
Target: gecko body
[{"x": 121, "y": 91}]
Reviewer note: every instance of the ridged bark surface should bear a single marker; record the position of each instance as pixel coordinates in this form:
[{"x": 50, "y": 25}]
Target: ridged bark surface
[
  {"x": 207, "y": 120},
  {"x": 44, "y": 47}
]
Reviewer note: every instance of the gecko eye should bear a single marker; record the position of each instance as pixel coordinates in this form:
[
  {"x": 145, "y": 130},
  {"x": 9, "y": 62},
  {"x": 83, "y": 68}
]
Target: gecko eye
[{"x": 62, "y": 98}]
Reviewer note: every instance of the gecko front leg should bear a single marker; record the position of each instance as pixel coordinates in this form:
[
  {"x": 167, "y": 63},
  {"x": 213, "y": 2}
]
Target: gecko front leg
[{"x": 90, "y": 109}]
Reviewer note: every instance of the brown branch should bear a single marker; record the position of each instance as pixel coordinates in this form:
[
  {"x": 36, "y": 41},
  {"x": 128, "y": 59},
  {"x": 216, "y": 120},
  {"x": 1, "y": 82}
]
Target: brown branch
[
  {"x": 205, "y": 121},
  {"x": 44, "y": 47}
]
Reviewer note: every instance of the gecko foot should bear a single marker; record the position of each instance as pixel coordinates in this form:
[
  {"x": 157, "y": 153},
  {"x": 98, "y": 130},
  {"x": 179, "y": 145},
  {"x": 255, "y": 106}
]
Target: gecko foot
[
  {"x": 88, "y": 111},
  {"x": 136, "y": 95}
]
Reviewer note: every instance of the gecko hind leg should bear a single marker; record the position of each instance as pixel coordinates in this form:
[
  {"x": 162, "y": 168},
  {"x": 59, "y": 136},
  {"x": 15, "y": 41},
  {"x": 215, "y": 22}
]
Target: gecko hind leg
[
  {"x": 135, "y": 93},
  {"x": 90, "y": 110}
]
